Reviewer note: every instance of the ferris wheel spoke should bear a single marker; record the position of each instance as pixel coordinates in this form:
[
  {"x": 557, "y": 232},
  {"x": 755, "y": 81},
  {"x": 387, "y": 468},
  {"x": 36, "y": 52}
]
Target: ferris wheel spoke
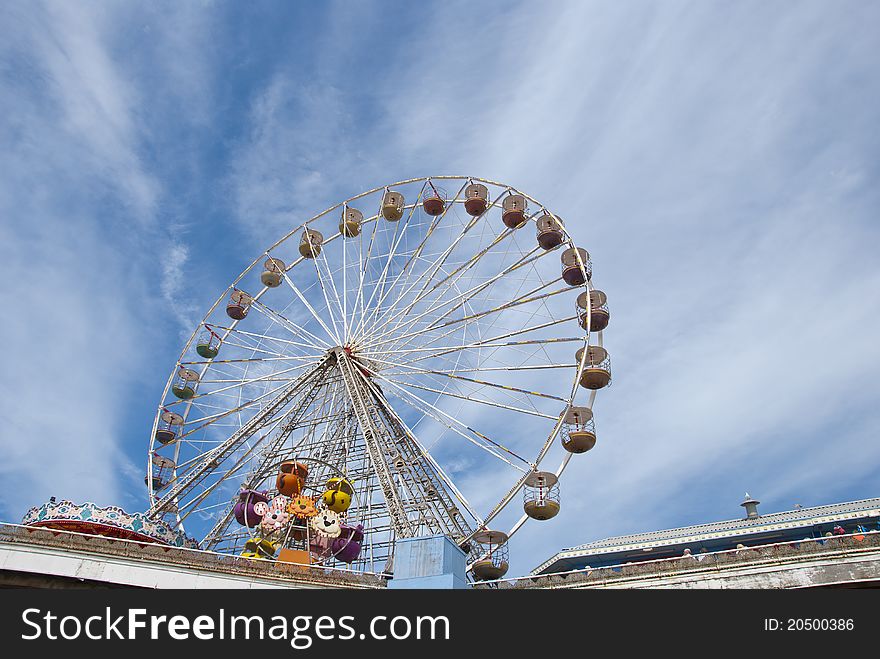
[
  {"x": 414, "y": 257},
  {"x": 425, "y": 408},
  {"x": 307, "y": 305},
  {"x": 437, "y": 351},
  {"x": 281, "y": 321},
  {"x": 401, "y": 298},
  {"x": 323, "y": 256},
  {"x": 447, "y": 208},
  {"x": 428, "y": 343},
  {"x": 251, "y": 360},
  {"x": 484, "y": 369},
  {"x": 214, "y": 444},
  {"x": 267, "y": 378},
  {"x": 221, "y": 365},
  {"x": 527, "y": 299},
  {"x": 277, "y": 318},
  {"x": 344, "y": 277},
  {"x": 203, "y": 512},
  {"x": 429, "y": 409},
  {"x": 186, "y": 466},
  {"x": 255, "y": 344},
  {"x": 221, "y": 401},
  {"x": 393, "y": 315},
  {"x": 438, "y": 263},
  {"x": 207, "y": 421},
  {"x": 500, "y": 337},
  {"x": 465, "y": 297},
  {"x": 363, "y": 264},
  {"x": 453, "y": 375},
  {"x": 467, "y": 265},
  {"x": 380, "y": 284},
  {"x": 258, "y": 338},
  {"x": 520, "y": 346},
  {"x": 197, "y": 461},
  {"x": 482, "y": 401},
  {"x": 414, "y": 321},
  {"x": 461, "y": 298},
  {"x": 245, "y": 382}
]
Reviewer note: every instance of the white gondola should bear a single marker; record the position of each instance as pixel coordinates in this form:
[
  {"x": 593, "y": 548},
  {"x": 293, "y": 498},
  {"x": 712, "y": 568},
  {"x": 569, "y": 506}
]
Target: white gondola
[
  {"x": 310, "y": 243},
  {"x": 541, "y": 495},
  {"x": 273, "y": 272},
  {"x": 185, "y": 385},
  {"x": 476, "y": 199},
  {"x": 350, "y": 222},
  {"x": 513, "y": 211},
  {"x": 598, "y": 316},
  {"x": 392, "y": 206},
  {"x": 239, "y": 304},
  {"x": 597, "y": 368},
  {"x": 168, "y": 428},
  {"x": 493, "y": 562},
  {"x": 578, "y": 429},
  {"x": 550, "y": 233},
  {"x": 576, "y": 266},
  {"x": 435, "y": 200},
  {"x": 162, "y": 470}
]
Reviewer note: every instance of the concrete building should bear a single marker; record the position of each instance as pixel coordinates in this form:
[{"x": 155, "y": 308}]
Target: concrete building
[
  {"x": 831, "y": 545},
  {"x": 754, "y": 529},
  {"x": 51, "y": 558}
]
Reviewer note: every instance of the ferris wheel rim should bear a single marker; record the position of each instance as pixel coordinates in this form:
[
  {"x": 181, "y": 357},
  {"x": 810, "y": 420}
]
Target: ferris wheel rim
[{"x": 568, "y": 239}]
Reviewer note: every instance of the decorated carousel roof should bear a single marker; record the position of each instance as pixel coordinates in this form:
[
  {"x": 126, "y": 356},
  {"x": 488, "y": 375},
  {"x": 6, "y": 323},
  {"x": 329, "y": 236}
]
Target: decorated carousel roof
[{"x": 109, "y": 521}]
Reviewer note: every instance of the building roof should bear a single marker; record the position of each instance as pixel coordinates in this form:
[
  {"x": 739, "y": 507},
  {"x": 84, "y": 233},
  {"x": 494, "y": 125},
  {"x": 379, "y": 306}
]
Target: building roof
[{"x": 789, "y": 519}]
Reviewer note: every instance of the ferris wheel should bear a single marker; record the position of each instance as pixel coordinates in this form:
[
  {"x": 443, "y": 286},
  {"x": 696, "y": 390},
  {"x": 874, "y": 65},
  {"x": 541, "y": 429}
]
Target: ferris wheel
[{"x": 422, "y": 358}]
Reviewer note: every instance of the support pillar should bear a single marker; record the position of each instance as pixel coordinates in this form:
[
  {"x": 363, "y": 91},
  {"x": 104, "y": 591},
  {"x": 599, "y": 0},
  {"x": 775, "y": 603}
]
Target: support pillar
[{"x": 428, "y": 562}]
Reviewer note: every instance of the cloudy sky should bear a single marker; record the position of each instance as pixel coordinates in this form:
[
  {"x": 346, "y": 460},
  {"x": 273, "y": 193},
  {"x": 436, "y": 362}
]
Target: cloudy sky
[{"x": 718, "y": 159}]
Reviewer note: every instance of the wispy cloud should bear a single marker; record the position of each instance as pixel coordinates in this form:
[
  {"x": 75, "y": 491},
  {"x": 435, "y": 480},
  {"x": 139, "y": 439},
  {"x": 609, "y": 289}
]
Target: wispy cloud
[
  {"x": 80, "y": 206},
  {"x": 282, "y": 167}
]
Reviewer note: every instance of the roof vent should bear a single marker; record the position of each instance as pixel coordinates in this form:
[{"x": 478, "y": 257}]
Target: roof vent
[{"x": 751, "y": 506}]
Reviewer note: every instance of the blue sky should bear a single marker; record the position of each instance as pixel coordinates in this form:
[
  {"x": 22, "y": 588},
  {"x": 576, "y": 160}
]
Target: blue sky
[{"x": 719, "y": 160}]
